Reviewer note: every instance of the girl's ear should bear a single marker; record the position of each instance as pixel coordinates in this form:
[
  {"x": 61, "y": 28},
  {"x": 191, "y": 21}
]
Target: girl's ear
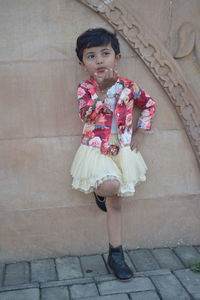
[
  {"x": 82, "y": 65},
  {"x": 117, "y": 58}
]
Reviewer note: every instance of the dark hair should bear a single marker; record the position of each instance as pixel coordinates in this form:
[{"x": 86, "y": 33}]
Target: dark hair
[{"x": 96, "y": 37}]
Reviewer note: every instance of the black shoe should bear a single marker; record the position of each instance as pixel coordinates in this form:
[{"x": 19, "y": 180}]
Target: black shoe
[
  {"x": 118, "y": 265},
  {"x": 100, "y": 201}
]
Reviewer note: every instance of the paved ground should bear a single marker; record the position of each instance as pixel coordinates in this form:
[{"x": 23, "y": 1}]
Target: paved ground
[{"x": 161, "y": 273}]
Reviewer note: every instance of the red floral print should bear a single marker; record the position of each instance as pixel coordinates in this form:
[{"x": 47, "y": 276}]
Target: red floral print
[{"x": 98, "y": 116}]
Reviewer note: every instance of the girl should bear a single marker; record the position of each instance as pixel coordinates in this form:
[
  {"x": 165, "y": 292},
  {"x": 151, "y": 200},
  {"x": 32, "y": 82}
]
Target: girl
[{"x": 107, "y": 162}]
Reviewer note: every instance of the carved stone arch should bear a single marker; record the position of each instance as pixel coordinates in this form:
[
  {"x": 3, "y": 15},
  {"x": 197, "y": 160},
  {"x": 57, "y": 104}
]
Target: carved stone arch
[{"x": 158, "y": 60}]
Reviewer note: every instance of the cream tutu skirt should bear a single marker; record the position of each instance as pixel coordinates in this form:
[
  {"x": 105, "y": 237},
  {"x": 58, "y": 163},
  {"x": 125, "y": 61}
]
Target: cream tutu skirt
[{"x": 90, "y": 168}]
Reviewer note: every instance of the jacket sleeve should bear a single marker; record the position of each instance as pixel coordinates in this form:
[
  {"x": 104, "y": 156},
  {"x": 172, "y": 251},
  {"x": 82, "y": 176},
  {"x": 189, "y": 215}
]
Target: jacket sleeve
[
  {"x": 89, "y": 106},
  {"x": 148, "y": 106}
]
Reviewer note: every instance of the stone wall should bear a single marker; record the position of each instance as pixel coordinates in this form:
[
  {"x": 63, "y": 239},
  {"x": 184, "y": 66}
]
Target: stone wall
[{"x": 40, "y": 214}]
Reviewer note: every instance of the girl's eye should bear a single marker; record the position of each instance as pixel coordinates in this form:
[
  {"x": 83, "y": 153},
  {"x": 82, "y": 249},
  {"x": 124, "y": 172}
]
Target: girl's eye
[
  {"x": 90, "y": 56},
  {"x": 106, "y": 53}
]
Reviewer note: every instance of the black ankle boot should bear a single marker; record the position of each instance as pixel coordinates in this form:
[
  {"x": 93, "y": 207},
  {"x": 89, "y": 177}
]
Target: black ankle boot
[
  {"x": 118, "y": 265},
  {"x": 100, "y": 201}
]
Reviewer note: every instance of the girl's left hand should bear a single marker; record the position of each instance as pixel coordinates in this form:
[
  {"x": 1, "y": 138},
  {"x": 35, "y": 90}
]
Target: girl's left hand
[
  {"x": 137, "y": 139},
  {"x": 107, "y": 79}
]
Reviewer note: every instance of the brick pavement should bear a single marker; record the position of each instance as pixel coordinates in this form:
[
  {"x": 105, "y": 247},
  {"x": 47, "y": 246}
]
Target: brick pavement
[{"x": 162, "y": 273}]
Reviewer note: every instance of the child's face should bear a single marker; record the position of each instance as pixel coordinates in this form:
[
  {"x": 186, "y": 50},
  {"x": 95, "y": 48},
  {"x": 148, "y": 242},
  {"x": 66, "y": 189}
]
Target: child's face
[{"x": 99, "y": 59}]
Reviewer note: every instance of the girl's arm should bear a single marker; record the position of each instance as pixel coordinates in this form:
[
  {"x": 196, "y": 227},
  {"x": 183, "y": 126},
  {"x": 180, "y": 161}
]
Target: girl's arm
[
  {"x": 148, "y": 106},
  {"x": 89, "y": 105}
]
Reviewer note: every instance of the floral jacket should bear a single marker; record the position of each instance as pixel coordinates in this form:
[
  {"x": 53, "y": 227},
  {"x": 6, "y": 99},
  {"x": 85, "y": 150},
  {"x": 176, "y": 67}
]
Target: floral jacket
[{"x": 97, "y": 115}]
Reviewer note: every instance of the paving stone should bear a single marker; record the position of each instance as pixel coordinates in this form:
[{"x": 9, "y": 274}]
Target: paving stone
[
  {"x": 190, "y": 280},
  {"x": 150, "y": 273},
  {"x": 143, "y": 260},
  {"x": 43, "y": 270},
  {"x": 19, "y": 287},
  {"x": 66, "y": 282},
  {"x": 187, "y": 254},
  {"x": 169, "y": 287},
  {"x": 55, "y": 293},
  {"x": 107, "y": 277},
  {"x": 127, "y": 259},
  {"x": 79, "y": 291},
  {"x": 149, "y": 295},
  {"x": 17, "y": 273},
  {"x": 68, "y": 267},
  {"x": 28, "y": 294},
  {"x": 2, "y": 267},
  {"x": 116, "y": 287},
  {"x": 167, "y": 259},
  {"x": 112, "y": 297},
  {"x": 93, "y": 265}
]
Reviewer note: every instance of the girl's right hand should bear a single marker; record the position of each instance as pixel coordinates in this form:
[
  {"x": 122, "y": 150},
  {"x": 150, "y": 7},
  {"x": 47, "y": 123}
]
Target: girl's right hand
[
  {"x": 137, "y": 139},
  {"x": 107, "y": 79}
]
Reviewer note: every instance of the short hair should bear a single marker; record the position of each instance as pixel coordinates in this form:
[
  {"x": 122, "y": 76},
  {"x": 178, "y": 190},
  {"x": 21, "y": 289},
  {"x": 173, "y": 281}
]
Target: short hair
[{"x": 96, "y": 37}]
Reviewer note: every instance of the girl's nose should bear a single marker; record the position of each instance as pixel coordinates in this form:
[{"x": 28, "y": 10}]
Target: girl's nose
[{"x": 99, "y": 59}]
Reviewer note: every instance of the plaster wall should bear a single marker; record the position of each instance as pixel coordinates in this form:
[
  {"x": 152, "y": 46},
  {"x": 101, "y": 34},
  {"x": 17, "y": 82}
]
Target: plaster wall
[{"x": 40, "y": 214}]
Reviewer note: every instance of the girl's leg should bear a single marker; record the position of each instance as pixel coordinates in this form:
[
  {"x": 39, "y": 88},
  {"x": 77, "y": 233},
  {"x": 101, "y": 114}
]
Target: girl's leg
[
  {"x": 114, "y": 220},
  {"x": 116, "y": 260},
  {"x": 109, "y": 189}
]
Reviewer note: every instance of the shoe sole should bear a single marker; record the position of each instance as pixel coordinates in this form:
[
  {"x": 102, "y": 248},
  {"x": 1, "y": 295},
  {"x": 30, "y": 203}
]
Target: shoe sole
[{"x": 101, "y": 205}]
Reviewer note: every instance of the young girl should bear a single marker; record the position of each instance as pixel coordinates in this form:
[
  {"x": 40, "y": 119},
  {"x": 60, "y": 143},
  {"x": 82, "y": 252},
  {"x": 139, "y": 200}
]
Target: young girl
[{"x": 107, "y": 162}]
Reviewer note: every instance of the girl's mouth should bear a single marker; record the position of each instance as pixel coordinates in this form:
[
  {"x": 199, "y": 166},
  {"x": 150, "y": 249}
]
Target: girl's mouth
[{"x": 101, "y": 70}]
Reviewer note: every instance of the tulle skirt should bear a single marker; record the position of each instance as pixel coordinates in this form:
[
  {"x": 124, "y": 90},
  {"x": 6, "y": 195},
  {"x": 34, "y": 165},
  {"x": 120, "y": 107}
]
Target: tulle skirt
[{"x": 90, "y": 168}]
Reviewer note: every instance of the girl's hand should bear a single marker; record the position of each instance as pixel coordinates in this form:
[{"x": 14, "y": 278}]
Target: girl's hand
[
  {"x": 137, "y": 139},
  {"x": 106, "y": 79}
]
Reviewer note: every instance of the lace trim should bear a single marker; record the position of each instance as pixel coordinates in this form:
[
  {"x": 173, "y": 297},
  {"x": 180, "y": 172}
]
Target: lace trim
[
  {"x": 126, "y": 189},
  {"x": 89, "y": 185}
]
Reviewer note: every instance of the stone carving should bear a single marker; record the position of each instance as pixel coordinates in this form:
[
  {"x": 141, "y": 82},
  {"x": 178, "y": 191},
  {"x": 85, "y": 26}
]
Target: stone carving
[
  {"x": 188, "y": 40},
  {"x": 159, "y": 61}
]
